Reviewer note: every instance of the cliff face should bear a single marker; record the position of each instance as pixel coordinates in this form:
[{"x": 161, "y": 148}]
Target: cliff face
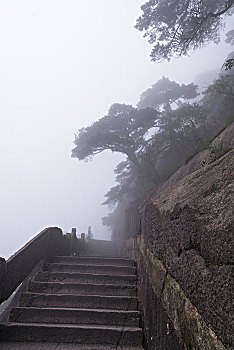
[{"x": 188, "y": 225}]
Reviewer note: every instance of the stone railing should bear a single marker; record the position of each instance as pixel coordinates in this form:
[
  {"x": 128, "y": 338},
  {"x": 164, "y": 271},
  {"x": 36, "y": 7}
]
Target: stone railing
[{"x": 14, "y": 270}]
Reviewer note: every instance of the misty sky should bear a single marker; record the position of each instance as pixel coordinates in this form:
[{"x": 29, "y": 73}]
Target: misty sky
[{"x": 62, "y": 64}]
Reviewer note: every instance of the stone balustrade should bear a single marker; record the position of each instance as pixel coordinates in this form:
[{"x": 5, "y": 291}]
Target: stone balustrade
[{"x": 14, "y": 270}]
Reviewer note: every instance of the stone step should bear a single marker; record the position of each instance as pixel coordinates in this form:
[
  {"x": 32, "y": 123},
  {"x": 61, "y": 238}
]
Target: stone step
[
  {"x": 92, "y": 260},
  {"x": 102, "y": 248},
  {"x": 78, "y": 277},
  {"x": 80, "y": 288},
  {"x": 127, "y": 303},
  {"x": 81, "y": 334},
  {"x": 75, "y": 316},
  {"x": 100, "y": 269},
  {"x": 108, "y": 252},
  {"x": 61, "y": 346},
  {"x": 82, "y": 303}
]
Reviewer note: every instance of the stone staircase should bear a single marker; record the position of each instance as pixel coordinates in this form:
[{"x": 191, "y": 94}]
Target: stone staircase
[{"x": 77, "y": 303}]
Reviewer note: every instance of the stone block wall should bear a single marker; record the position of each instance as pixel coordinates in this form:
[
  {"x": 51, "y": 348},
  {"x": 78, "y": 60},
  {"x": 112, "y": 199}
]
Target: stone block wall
[
  {"x": 186, "y": 230},
  {"x": 169, "y": 320}
]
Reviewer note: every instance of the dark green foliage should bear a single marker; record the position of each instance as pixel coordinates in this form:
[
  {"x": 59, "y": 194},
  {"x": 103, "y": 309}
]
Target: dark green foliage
[
  {"x": 177, "y": 27},
  {"x": 185, "y": 120},
  {"x": 166, "y": 91},
  {"x": 219, "y": 100},
  {"x": 157, "y": 138},
  {"x": 224, "y": 86},
  {"x": 216, "y": 147},
  {"x": 126, "y": 177},
  {"x": 122, "y": 130},
  {"x": 229, "y": 64},
  {"x": 229, "y": 120}
]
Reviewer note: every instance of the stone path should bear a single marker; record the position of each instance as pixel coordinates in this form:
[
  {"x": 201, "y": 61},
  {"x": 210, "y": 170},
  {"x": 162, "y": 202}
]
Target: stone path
[{"x": 83, "y": 303}]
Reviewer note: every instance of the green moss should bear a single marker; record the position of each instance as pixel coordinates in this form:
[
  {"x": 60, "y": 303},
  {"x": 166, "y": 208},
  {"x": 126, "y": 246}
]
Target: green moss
[{"x": 216, "y": 147}]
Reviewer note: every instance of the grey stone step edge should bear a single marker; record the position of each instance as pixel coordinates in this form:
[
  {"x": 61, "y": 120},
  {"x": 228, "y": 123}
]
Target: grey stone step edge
[
  {"x": 75, "y": 316},
  {"x": 71, "y": 333},
  {"x": 94, "y": 260}
]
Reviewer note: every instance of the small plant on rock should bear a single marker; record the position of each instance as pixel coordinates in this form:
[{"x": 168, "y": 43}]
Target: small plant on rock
[{"x": 216, "y": 147}]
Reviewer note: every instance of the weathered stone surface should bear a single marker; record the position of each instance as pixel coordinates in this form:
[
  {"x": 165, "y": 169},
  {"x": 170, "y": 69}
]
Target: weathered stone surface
[
  {"x": 153, "y": 267},
  {"x": 187, "y": 224},
  {"x": 103, "y": 335},
  {"x": 167, "y": 309},
  {"x": 158, "y": 330},
  {"x": 85, "y": 278},
  {"x": 75, "y": 316},
  {"x": 80, "y": 288},
  {"x": 200, "y": 160},
  {"x": 61, "y": 346},
  {"x": 189, "y": 227},
  {"x": 78, "y": 301},
  {"x": 91, "y": 260},
  {"x": 186, "y": 320}
]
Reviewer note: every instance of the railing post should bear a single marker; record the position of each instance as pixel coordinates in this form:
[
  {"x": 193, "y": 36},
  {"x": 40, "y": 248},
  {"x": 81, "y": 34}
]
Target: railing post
[
  {"x": 2, "y": 278},
  {"x": 73, "y": 241},
  {"x": 82, "y": 243},
  {"x": 55, "y": 242},
  {"x": 73, "y": 232}
]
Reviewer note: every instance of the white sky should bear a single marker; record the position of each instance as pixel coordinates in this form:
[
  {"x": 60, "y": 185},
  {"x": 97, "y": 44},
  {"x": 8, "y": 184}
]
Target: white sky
[{"x": 62, "y": 64}]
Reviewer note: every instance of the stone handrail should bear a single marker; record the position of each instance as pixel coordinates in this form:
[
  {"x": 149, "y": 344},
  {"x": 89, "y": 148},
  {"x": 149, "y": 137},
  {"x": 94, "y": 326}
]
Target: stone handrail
[{"x": 14, "y": 270}]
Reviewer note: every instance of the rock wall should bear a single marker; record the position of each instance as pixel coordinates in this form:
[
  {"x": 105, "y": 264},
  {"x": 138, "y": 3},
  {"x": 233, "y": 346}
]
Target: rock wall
[
  {"x": 169, "y": 319},
  {"x": 187, "y": 224}
]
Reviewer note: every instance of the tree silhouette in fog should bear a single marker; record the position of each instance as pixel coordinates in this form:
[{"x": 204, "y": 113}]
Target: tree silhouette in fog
[
  {"x": 176, "y": 27},
  {"x": 164, "y": 92},
  {"x": 122, "y": 130}
]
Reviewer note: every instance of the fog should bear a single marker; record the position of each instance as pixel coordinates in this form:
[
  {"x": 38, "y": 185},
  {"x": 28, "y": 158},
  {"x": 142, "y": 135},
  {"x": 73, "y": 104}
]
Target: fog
[{"x": 62, "y": 65}]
